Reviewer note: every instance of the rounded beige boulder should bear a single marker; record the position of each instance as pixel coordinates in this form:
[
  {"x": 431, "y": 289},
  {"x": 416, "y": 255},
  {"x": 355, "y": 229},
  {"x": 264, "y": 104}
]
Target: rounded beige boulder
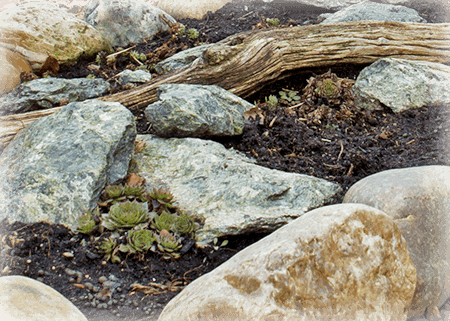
[
  {"x": 190, "y": 8},
  {"x": 11, "y": 65}
]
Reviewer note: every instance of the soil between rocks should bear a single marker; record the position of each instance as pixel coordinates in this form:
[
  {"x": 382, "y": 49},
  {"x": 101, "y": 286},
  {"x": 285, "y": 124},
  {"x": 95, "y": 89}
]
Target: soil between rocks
[{"x": 339, "y": 149}]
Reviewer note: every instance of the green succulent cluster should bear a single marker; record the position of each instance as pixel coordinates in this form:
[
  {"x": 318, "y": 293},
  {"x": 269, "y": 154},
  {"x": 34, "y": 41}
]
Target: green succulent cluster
[
  {"x": 272, "y": 101},
  {"x": 137, "y": 221},
  {"x": 138, "y": 56},
  {"x": 192, "y": 33},
  {"x": 273, "y": 22},
  {"x": 126, "y": 214},
  {"x": 290, "y": 96},
  {"x": 138, "y": 241},
  {"x": 168, "y": 244}
]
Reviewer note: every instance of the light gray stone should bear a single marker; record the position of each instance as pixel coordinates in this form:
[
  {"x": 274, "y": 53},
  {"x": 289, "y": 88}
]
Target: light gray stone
[
  {"x": 55, "y": 169},
  {"x": 402, "y": 84},
  {"x": 226, "y": 189},
  {"x": 184, "y": 110},
  {"x": 180, "y": 60},
  {"x": 137, "y": 76},
  {"x": 123, "y": 22},
  {"x": 418, "y": 199},
  {"x": 23, "y": 298},
  {"x": 47, "y": 93},
  {"x": 339, "y": 262},
  {"x": 374, "y": 11}
]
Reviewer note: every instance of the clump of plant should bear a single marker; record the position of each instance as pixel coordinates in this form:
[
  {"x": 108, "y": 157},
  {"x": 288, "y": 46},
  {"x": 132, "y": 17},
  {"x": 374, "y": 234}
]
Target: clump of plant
[
  {"x": 192, "y": 33},
  {"x": 138, "y": 56},
  {"x": 183, "y": 224},
  {"x": 168, "y": 244},
  {"x": 180, "y": 30},
  {"x": 138, "y": 241},
  {"x": 109, "y": 248},
  {"x": 87, "y": 223},
  {"x": 273, "y": 22},
  {"x": 162, "y": 199},
  {"x": 289, "y": 96},
  {"x": 127, "y": 214},
  {"x": 272, "y": 101}
]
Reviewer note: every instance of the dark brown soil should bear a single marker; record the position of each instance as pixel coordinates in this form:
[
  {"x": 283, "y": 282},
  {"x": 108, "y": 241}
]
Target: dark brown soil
[{"x": 343, "y": 148}]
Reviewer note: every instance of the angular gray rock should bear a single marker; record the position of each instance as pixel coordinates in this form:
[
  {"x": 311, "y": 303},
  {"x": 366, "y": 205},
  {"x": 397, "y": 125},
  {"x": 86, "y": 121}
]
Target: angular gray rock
[
  {"x": 418, "y": 199},
  {"x": 374, "y": 11},
  {"x": 226, "y": 189},
  {"x": 123, "y": 22},
  {"x": 23, "y": 298},
  {"x": 339, "y": 262},
  {"x": 402, "y": 84},
  {"x": 184, "y": 110},
  {"x": 55, "y": 169},
  {"x": 137, "y": 76},
  {"x": 180, "y": 60},
  {"x": 47, "y": 93}
]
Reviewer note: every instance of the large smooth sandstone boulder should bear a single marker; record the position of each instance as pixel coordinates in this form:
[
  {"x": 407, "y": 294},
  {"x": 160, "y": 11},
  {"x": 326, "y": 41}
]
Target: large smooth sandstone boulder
[
  {"x": 190, "y": 8},
  {"x": 11, "y": 65},
  {"x": 46, "y": 29},
  {"x": 123, "y": 22},
  {"x": 23, "y": 298},
  {"x": 339, "y": 262},
  {"x": 418, "y": 199}
]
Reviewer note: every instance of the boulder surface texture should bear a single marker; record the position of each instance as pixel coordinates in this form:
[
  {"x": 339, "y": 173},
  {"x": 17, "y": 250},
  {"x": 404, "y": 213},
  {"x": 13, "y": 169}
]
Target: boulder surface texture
[{"x": 339, "y": 262}]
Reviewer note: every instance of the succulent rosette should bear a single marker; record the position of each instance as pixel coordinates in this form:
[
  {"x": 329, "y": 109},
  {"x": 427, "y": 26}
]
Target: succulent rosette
[
  {"x": 184, "y": 225},
  {"x": 138, "y": 241},
  {"x": 126, "y": 214},
  {"x": 87, "y": 223},
  {"x": 167, "y": 242},
  {"x": 163, "y": 221}
]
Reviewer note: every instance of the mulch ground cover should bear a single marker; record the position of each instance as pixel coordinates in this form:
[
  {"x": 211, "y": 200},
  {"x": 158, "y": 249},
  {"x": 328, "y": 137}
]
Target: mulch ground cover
[{"x": 342, "y": 145}]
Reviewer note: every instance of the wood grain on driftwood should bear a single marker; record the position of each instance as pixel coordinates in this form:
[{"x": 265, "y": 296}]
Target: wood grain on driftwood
[{"x": 242, "y": 63}]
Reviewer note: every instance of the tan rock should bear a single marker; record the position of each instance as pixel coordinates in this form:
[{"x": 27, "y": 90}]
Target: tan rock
[
  {"x": 339, "y": 262},
  {"x": 190, "y": 8},
  {"x": 11, "y": 65},
  {"x": 418, "y": 199},
  {"x": 44, "y": 29},
  {"x": 23, "y": 298}
]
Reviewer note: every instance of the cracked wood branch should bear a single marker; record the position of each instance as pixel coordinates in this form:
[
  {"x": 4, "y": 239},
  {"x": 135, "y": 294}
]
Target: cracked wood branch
[{"x": 242, "y": 63}]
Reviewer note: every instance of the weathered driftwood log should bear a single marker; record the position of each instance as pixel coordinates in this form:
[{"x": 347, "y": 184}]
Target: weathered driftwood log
[{"x": 242, "y": 63}]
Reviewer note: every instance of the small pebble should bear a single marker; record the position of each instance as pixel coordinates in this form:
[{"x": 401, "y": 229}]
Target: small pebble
[
  {"x": 70, "y": 272},
  {"x": 89, "y": 285},
  {"x": 68, "y": 255},
  {"x": 6, "y": 270},
  {"x": 112, "y": 277},
  {"x": 28, "y": 261},
  {"x": 135, "y": 303},
  {"x": 95, "y": 289},
  {"x": 110, "y": 302},
  {"x": 119, "y": 289},
  {"x": 41, "y": 272},
  {"x": 40, "y": 279},
  {"x": 102, "y": 279},
  {"x": 71, "y": 280}
]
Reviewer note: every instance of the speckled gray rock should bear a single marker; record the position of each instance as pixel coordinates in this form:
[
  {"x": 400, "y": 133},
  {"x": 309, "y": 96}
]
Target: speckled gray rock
[
  {"x": 123, "y": 22},
  {"x": 196, "y": 111},
  {"x": 132, "y": 77},
  {"x": 402, "y": 84},
  {"x": 418, "y": 199},
  {"x": 374, "y": 11},
  {"x": 23, "y": 298},
  {"x": 181, "y": 59},
  {"x": 225, "y": 188},
  {"x": 339, "y": 262},
  {"x": 47, "y": 93},
  {"x": 55, "y": 169}
]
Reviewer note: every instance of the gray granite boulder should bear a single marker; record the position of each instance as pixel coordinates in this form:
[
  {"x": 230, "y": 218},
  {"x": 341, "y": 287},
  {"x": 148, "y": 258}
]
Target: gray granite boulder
[
  {"x": 181, "y": 59},
  {"x": 134, "y": 77},
  {"x": 55, "y": 169}
]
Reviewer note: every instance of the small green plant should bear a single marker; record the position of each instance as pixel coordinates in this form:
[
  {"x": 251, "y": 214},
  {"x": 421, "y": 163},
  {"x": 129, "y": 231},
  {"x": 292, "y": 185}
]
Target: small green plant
[
  {"x": 184, "y": 225},
  {"x": 87, "y": 223},
  {"x": 193, "y": 33},
  {"x": 162, "y": 199},
  {"x": 98, "y": 59},
  {"x": 111, "y": 60},
  {"x": 273, "y": 22},
  {"x": 272, "y": 101},
  {"x": 126, "y": 214},
  {"x": 169, "y": 244},
  {"x": 90, "y": 76},
  {"x": 109, "y": 248},
  {"x": 163, "y": 221},
  {"x": 216, "y": 247},
  {"x": 138, "y": 56},
  {"x": 290, "y": 96},
  {"x": 328, "y": 89},
  {"x": 138, "y": 241},
  {"x": 113, "y": 191},
  {"x": 136, "y": 191}
]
